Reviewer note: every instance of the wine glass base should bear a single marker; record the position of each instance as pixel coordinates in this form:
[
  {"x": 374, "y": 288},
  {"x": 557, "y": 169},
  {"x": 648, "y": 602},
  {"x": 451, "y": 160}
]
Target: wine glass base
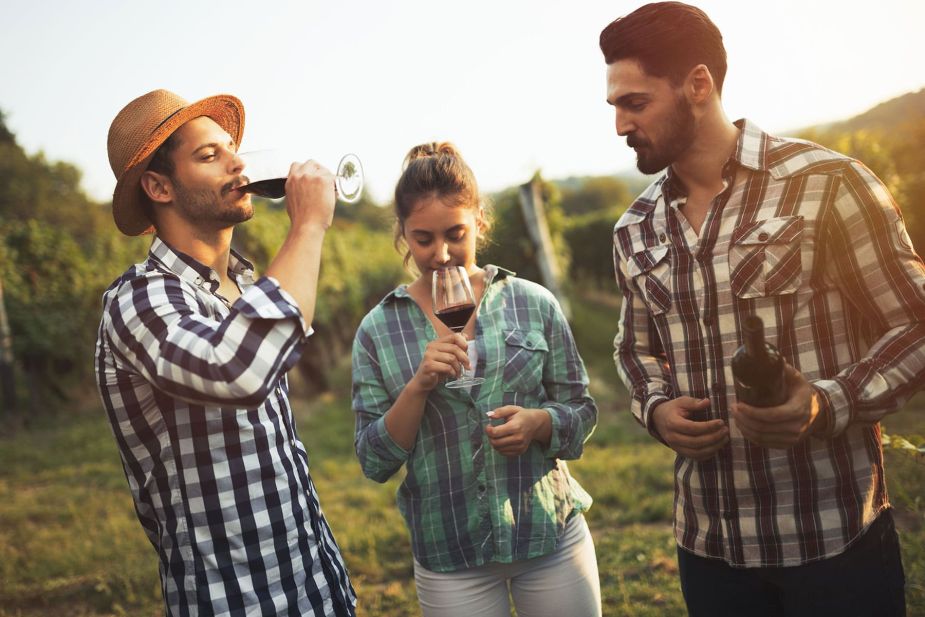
[{"x": 465, "y": 382}]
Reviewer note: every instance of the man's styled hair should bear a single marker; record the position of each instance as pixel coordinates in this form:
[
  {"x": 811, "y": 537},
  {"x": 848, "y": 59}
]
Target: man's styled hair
[
  {"x": 668, "y": 39},
  {"x": 162, "y": 161}
]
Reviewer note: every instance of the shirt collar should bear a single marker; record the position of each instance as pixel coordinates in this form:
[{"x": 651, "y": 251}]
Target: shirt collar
[
  {"x": 193, "y": 271},
  {"x": 751, "y": 152},
  {"x": 752, "y": 148},
  {"x": 493, "y": 272}
]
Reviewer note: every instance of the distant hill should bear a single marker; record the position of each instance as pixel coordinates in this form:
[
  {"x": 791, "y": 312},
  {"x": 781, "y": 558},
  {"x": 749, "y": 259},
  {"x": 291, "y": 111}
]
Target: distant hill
[
  {"x": 635, "y": 181},
  {"x": 886, "y": 117}
]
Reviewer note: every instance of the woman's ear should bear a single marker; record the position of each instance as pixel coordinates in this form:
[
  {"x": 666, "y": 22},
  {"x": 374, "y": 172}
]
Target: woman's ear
[{"x": 481, "y": 220}]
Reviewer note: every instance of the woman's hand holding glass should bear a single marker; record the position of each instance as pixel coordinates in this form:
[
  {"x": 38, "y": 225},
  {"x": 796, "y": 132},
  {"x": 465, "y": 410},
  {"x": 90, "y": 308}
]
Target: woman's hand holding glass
[
  {"x": 454, "y": 303},
  {"x": 444, "y": 358}
]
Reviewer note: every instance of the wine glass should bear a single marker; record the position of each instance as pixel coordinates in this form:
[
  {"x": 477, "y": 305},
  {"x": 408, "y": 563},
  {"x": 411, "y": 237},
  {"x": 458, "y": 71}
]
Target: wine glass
[
  {"x": 454, "y": 304},
  {"x": 266, "y": 172}
]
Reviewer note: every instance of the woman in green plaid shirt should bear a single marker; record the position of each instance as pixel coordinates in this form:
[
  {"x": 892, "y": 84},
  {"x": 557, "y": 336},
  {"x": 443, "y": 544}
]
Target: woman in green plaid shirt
[{"x": 488, "y": 498}]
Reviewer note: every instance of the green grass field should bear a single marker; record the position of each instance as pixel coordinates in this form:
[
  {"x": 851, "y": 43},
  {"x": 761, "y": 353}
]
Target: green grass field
[{"x": 70, "y": 545}]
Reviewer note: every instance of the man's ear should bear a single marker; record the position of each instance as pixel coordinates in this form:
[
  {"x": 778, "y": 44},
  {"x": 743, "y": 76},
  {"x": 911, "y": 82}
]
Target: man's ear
[
  {"x": 699, "y": 84},
  {"x": 157, "y": 187}
]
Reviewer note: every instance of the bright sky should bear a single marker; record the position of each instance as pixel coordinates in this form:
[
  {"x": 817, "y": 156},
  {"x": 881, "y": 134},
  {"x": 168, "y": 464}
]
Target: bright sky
[{"x": 518, "y": 85}]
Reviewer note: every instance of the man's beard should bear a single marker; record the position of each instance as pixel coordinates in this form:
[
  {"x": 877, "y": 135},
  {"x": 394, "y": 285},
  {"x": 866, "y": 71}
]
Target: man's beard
[
  {"x": 204, "y": 206},
  {"x": 678, "y": 137}
]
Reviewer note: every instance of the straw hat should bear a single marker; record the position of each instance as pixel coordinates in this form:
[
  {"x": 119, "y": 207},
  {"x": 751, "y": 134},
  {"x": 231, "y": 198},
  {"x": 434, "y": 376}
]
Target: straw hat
[{"x": 139, "y": 130}]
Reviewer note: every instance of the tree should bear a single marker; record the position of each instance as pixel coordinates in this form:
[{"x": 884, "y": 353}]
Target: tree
[
  {"x": 595, "y": 195},
  {"x": 7, "y": 381}
]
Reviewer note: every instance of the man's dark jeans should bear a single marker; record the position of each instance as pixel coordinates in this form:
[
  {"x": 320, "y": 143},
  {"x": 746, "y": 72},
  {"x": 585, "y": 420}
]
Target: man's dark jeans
[{"x": 867, "y": 580}]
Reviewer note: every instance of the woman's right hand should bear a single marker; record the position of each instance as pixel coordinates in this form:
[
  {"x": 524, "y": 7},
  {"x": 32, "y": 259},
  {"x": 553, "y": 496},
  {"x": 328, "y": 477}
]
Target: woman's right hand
[{"x": 444, "y": 357}]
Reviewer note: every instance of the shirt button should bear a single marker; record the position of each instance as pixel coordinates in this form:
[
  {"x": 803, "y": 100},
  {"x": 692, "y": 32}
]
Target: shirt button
[
  {"x": 198, "y": 280},
  {"x": 763, "y": 236},
  {"x": 663, "y": 238}
]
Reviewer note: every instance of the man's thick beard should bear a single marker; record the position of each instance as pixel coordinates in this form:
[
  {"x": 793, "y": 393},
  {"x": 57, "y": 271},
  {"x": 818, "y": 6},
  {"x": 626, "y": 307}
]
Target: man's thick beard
[
  {"x": 678, "y": 138},
  {"x": 203, "y": 206}
]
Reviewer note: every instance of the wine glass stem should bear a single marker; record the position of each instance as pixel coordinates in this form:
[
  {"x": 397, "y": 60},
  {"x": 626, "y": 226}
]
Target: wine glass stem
[{"x": 473, "y": 358}]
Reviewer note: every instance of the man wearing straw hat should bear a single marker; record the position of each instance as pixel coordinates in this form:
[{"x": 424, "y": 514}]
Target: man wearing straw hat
[{"x": 191, "y": 364}]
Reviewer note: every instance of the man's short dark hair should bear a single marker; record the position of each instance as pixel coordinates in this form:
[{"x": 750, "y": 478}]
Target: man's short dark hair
[
  {"x": 162, "y": 161},
  {"x": 668, "y": 39}
]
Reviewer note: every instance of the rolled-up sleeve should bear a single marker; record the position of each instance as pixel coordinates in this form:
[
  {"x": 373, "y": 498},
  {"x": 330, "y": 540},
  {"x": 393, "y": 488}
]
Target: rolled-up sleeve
[
  {"x": 163, "y": 335},
  {"x": 380, "y": 457}
]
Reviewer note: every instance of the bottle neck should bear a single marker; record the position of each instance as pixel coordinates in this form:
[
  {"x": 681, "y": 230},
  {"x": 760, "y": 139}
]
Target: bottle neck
[{"x": 753, "y": 338}]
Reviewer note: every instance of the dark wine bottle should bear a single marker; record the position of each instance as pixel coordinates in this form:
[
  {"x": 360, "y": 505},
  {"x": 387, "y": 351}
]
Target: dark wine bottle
[{"x": 758, "y": 368}]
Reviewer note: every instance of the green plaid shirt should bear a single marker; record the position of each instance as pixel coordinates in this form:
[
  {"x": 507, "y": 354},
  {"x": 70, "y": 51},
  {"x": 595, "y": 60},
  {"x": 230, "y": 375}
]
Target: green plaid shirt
[{"x": 466, "y": 504}]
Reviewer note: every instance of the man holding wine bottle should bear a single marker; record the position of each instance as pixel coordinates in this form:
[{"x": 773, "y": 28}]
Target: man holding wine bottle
[
  {"x": 191, "y": 364},
  {"x": 780, "y": 509}
]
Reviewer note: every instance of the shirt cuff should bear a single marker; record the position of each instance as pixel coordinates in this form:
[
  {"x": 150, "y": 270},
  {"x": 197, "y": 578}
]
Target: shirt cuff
[
  {"x": 265, "y": 299},
  {"x": 382, "y": 444},
  {"x": 560, "y": 424},
  {"x": 834, "y": 407},
  {"x": 648, "y": 406}
]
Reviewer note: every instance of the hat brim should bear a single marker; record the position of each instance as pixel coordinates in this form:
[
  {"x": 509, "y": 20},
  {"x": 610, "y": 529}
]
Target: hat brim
[{"x": 128, "y": 200}]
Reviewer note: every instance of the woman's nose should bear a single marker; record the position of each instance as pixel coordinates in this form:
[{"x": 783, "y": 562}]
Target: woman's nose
[{"x": 443, "y": 252}]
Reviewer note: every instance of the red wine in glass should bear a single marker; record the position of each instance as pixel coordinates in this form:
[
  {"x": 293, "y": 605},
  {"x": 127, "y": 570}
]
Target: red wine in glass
[
  {"x": 456, "y": 317},
  {"x": 275, "y": 188},
  {"x": 454, "y": 304}
]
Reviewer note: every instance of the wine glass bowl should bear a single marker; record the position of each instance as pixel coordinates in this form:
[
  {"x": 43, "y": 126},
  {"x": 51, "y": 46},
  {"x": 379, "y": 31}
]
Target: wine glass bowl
[
  {"x": 454, "y": 304},
  {"x": 266, "y": 171},
  {"x": 349, "y": 179}
]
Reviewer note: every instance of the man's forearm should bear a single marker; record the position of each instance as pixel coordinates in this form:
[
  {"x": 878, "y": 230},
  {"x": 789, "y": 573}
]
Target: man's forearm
[{"x": 297, "y": 266}]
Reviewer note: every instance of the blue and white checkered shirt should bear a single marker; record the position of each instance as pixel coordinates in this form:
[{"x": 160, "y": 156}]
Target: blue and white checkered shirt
[{"x": 197, "y": 396}]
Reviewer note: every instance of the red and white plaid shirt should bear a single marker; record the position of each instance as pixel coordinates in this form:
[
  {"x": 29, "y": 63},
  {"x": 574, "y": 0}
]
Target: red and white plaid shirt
[{"x": 811, "y": 242}]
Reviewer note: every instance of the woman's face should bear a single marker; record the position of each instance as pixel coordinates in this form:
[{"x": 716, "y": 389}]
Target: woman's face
[{"x": 439, "y": 234}]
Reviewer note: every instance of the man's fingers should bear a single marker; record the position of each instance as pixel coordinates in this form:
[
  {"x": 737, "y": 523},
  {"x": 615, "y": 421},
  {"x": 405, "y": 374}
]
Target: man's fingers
[
  {"x": 772, "y": 440},
  {"x": 694, "y": 428},
  {"x": 769, "y": 415},
  {"x": 756, "y": 423},
  {"x": 699, "y": 442}
]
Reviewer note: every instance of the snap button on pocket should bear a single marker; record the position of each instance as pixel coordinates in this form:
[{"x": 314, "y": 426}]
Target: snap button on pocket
[
  {"x": 651, "y": 269},
  {"x": 765, "y": 257}
]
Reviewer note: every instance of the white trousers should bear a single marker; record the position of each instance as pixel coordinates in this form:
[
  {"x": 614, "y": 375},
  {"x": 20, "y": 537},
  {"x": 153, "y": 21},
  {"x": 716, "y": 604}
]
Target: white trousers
[{"x": 564, "y": 583}]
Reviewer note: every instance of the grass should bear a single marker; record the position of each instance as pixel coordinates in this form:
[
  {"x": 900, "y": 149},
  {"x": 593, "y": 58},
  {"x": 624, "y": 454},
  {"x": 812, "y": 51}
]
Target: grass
[{"x": 70, "y": 545}]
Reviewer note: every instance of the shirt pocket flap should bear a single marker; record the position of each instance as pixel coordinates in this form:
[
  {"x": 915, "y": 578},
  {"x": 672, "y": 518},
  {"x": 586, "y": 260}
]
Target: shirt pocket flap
[
  {"x": 778, "y": 230},
  {"x": 645, "y": 260},
  {"x": 528, "y": 339}
]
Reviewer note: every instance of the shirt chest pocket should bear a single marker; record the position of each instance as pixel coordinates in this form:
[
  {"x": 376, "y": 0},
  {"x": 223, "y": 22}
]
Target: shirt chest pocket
[
  {"x": 765, "y": 257},
  {"x": 525, "y": 356},
  {"x": 650, "y": 269}
]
